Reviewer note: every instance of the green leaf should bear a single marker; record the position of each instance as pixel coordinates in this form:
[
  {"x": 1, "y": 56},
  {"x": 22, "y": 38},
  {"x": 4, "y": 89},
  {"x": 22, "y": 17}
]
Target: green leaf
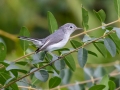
[
  {"x": 97, "y": 87},
  {"x": 75, "y": 43},
  {"x": 88, "y": 71},
  {"x": 24, "y": 32},
  {"x": 53, "y": 82},
  {"x": 69, "y": 60},
  {"x": 112, "y": 85},
  {"x": 110, "y": 46},
  {"x": 82, "y": 56},
  {"x": 66, "y": 75},
  {"x": 2, "y": 51},
  {"x": 59, "y": 64},
  {"x": 100, "y": 15},
  {"x": 22, "y": 63},
  {"x": 52, "y": 22},
  {"x": 86, "y": 38},
  {"x": 117, "y": 31},
  {"x": 115, "y": 40},
  {"x": 99, "y": 72},
  {"x": 100, "y": 47},
  {"x": 85, "y": 18},
  {"x": 12, "y": 66},
  {"x": 104, "y": 81},
  {"x": 4, "y": 77},
  {"x": 92, "y": 53},
  {"x": 42, "y": 75},
  {"x": 117, "y": 6}
]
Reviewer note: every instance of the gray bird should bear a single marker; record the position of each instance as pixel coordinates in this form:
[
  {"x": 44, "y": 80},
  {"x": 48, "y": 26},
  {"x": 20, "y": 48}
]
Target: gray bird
[{"x": 54, "y": 41}]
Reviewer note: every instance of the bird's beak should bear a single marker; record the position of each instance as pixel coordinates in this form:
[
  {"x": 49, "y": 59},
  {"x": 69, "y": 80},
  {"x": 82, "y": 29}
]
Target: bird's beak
[{"x": 79, "y": 28}]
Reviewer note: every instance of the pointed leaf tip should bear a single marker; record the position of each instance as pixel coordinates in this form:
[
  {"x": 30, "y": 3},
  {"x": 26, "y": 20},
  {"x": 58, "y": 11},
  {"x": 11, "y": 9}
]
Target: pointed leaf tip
[{"x": 52, "y": 23}]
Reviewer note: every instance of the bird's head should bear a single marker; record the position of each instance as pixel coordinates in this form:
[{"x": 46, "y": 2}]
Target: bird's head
[{"x": 70, "y": 28}]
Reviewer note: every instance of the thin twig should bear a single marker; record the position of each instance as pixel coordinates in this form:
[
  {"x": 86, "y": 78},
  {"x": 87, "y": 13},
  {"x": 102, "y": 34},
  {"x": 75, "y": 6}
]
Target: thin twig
[
  {"x": 56, "y": 59},
  {"x": 29, "y": 88},
  {"x": 16, "y": 60},
  {"x": 118, "y": 88},
  {"x": 8, "y": 35},
  {"x": 87, "y": 81},
  {"x": 94, "y": 29},
  {"x": 102, "y": 65},
  {"x": 82, "y": 82}
]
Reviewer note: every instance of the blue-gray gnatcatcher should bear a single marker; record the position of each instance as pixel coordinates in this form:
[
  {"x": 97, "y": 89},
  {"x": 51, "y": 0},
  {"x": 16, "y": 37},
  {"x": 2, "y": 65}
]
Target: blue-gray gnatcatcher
[{"x": 54, "y": 41}]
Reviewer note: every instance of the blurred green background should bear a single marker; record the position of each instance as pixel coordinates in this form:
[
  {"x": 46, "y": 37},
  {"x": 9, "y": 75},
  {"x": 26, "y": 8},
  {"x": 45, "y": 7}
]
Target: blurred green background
[{"x": 33, "y": 14}]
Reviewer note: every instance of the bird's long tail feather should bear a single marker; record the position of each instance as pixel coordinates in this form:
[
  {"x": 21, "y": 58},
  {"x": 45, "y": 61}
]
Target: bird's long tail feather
[{"x": 26, "y": 38}]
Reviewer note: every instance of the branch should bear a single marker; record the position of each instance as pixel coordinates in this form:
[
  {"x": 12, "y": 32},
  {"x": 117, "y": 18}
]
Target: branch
[
  {"x": 16, "y": 60},
  {"x": 83, "y": 82},
  {"x": 76, "y": 36},
  {"x": 118, "y": 88},
  {"x": 8, "y": 35},
  {"x": 57, "y": 59},
  {"x": 117, "y": 62},
  {"x": 95, "y": 29},
  {"x": 29, "y": 88}
]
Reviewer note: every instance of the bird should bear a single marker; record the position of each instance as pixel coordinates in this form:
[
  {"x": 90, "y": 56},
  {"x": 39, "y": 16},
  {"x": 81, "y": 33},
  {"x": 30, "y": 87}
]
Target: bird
[{"x": 54, "y": 41}]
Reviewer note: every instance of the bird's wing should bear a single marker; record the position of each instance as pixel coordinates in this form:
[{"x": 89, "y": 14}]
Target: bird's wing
[{"x": 52, "y": 39}]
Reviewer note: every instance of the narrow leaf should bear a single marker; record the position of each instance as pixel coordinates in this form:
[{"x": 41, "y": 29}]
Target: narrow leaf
[
  {"x": 53, "y": 82},
  {"x": 66, "y": 75},
  {"x": 2, "y": 51},
  {"x": 59, "y": 64},
  {"x": 24, "y": 32},
  {"x": 100, "y": 15},
  {"x": 97, "y": 87},
  {"x": 42, "y": 75},
  {"x": 104, "y": 81},
  {"x": 110, "y": 46},
  {"x": 86, "y": 38},
  {"x": 52, "y": 22},
  {"x": 112, "y": 85},
  {"x": 117, "y": 31},
  {"x": 12, "y": 66},
  {"x": 70, "y": 62},
  {"x": 4, "y": 77},
  {"x": 85, "y": 18},
  {"x": 75, "y": 43},
  {"x": 99, "y": 72},
  {"x": 82, "y": 56},
  {"x": 100, "y": 47},
  {"x": 115, "y": 40},
  {"x": 117, "y": 6},
  {"x": 92, "y": 53}
]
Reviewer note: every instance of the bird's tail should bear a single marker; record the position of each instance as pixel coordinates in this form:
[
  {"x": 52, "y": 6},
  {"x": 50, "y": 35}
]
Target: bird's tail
[
  {"x": 37, "y": 42},
  {"x": 26, "y": 38}
]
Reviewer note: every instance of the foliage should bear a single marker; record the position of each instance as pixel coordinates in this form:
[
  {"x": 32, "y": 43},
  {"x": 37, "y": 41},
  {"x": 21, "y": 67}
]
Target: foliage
[{"x": 57, "y": 71}]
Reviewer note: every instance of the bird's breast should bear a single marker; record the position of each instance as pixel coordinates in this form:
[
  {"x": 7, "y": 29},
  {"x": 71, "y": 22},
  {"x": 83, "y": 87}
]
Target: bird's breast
[{"x": 58, "y": 45}]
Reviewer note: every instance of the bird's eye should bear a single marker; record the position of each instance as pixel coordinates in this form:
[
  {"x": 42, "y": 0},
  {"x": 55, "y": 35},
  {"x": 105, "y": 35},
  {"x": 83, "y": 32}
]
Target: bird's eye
[{"x": 71, "y": 27}]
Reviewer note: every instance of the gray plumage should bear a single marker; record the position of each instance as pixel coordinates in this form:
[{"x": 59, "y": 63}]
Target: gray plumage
[{"x": 54, "y": 41}]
